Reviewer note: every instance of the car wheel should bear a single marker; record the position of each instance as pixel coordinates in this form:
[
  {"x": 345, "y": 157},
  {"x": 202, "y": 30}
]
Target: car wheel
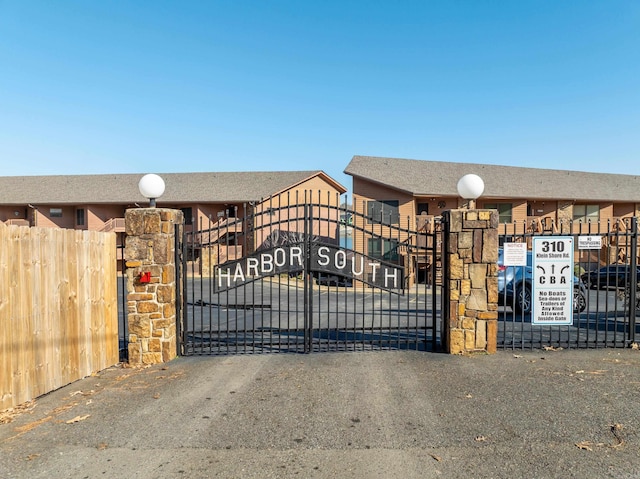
[
  {"x": 523, "y": 299},
  {"x": 579, "y": 301}
]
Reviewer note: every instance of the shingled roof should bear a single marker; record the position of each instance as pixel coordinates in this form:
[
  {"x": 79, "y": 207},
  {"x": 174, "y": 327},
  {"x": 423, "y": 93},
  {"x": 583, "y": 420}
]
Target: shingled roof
[
  {"x": 180, "y": 187},
  {"x": 437, "y": 178}
]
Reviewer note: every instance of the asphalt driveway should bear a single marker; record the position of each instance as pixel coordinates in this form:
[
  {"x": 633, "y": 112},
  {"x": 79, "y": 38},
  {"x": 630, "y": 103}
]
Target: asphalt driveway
[{"x": 540, "y": 414}]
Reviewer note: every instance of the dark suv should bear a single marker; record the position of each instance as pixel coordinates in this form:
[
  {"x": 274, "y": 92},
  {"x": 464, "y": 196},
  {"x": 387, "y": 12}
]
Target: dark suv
[
  {"x": 515, "y": 286},
  {"x": 611, "y": 276}
]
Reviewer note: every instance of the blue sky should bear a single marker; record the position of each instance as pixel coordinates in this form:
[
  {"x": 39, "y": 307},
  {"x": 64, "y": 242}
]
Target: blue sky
[{"x": 182, "y": 86}]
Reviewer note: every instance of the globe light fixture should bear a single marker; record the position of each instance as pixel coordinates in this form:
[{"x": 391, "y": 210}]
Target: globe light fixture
[
  {"x": 151, "y": 186},
  {"x": 470, "y": 187}
]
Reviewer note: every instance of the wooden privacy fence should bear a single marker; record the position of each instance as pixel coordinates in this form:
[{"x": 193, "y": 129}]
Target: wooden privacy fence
[{"x": 58, "y": 309}]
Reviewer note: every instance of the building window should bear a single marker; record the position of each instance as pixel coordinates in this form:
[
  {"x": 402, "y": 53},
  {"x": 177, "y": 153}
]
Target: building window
[
  {"x": 423, "y": 208},
  {"x": 385, "y": 212},
  {"x": 79, "y": 217},
  {"x": 383, "y": 249},
  {"x": 586, "y": 213},
  {"x": 504, "y": 211},
  {"x": 55, "y": 212},
  {"x": 188, "y": 215}
]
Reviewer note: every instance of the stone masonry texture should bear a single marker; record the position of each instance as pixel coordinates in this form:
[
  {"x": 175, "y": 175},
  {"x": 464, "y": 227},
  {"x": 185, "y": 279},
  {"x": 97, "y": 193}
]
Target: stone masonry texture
[
  {"x": 150, "y": 248},
  {"x": 471, "y": 257}
]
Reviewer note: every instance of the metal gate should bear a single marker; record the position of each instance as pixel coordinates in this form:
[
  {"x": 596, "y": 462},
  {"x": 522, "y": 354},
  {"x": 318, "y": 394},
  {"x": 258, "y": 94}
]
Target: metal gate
[
  {"x": 304, "y": 273},
  {"x": 606, "y": 300}
]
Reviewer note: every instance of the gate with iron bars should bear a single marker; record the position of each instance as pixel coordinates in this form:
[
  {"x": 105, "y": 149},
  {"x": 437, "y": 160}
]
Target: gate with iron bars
[
  {"x": 605, "y": 304},
  {"x": 303, "y": 273}
]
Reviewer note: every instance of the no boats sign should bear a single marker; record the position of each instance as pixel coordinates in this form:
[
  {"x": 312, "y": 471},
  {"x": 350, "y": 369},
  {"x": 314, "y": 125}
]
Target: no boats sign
[{"x": 552, "y": 280}]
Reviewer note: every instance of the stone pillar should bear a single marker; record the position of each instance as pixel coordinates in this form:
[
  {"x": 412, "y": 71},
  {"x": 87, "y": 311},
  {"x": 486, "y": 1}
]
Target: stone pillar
[
  {"x": 151, "y": 301},
  {"x": 470, "y": 256}
]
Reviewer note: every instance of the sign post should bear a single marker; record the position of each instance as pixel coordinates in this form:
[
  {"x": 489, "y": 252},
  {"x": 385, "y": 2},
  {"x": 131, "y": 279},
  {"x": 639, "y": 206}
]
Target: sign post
[{"x": 552, "y": 280}]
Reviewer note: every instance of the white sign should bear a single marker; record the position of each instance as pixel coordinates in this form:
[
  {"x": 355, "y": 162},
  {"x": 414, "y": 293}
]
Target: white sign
[
  {"x": 589, "y": 242},
  {"x": 552, "y": 280},
  {"x": 515, "y": 254}
]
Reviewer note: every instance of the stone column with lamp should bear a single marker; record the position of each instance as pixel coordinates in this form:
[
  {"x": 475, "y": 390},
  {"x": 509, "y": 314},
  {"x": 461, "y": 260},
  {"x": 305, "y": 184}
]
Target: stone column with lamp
[
  {"x": 470, "y": 255},
  {"x": 151, "y": 277}
]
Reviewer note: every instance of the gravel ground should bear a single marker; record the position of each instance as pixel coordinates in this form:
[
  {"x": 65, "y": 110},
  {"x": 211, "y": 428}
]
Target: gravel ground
[{"x": 538, "y": 414}]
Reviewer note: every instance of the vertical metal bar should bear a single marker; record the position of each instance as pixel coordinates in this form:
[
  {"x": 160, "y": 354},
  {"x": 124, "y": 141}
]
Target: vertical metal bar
[
  {"x": 250, "y": 245},
  {"x": 310, "y": 324},
  {"x": 301, "y": 322},
  {"x": 196, "y": 302},
  {"x": 269, "y": 339},
  {"x": 342, "y": 230},
  {"x": 615, "y": 238},
  {"x": 333, "y": 228},
  {"x": 522, "y": 328},
  {"x": 332, "y": 338},
  {"x": 437, "y": 289},
  {"x": 124, "y": 325},
  {"x": 446, "y": 296},
  {"x": 189, "y": 290},
  {"x": 287, "y": 334},
  {"x": 633, "y": 281},
  {"x": 409, "y": 315},
  {"x": 302, "y": 273},
  {"x": 307, "y": 278},
  {"x": 364, "y": 218},
  {"x": 207, "y": 274},
  {"x": 185, "y": 311},
  {"x": 397, "y": 298},
  {"x": 598, "y": 299},
  {"x": 221, "y": 336},
  {"x": 178, "y": 263}
]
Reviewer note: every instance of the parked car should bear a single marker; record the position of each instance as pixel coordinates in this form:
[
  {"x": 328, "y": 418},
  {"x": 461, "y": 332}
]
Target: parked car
[
  {"x": 610, "y": 276},
  {"x": 326, "y": 279},
  {"x": 515, "y": 286}
]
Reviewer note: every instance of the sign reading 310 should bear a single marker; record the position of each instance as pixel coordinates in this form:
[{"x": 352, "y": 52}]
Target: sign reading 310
[{"x": 552, "y": 280}]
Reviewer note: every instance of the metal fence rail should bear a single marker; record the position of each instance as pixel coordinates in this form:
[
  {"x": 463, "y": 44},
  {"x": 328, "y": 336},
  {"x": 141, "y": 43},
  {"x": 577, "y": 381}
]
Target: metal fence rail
[
  {"x": 308, "y": 301},
  {"x": 609, "y": 318},
  {"x": 123, "y": 324}
]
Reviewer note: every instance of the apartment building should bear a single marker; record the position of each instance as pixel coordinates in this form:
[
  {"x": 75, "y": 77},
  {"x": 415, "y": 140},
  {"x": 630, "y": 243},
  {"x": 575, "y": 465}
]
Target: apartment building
[
  {"x": 414, "y": 193},
  {"x": 207, "y": 199}
]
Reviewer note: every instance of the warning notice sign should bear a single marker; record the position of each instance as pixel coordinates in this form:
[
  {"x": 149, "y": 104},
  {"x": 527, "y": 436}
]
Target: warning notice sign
[{"x": 552, "y": 280}]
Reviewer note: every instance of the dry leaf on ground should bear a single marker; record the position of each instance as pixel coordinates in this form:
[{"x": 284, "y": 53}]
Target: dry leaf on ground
[
  {"x": 78, "y": 419},
  {"x": 585, "y": 445},
  {"x": 552, "y": 348},
  {"x": 34, "y": 424},
  {"x": 7, "y": 415},
  {"x": 615, "y": 430}
]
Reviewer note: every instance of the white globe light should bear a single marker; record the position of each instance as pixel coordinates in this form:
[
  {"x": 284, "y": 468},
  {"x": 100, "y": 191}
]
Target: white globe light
[
  {"x": 470, "y": 186},
  {"x": 151, "y": 186}
]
